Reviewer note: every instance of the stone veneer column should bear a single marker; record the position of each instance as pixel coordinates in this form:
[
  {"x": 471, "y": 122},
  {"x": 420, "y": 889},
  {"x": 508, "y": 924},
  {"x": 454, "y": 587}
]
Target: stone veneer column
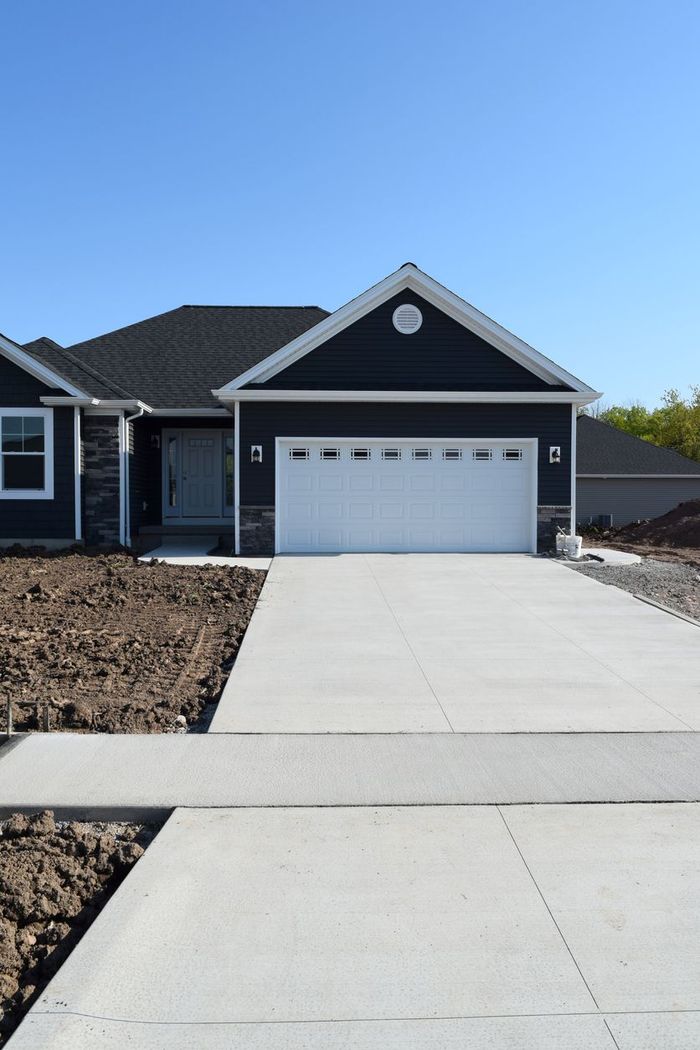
[
  {"x": 257, "y": 530},
  {"x": 101, "y": 480},
  {"x": 548, "y": 520}
]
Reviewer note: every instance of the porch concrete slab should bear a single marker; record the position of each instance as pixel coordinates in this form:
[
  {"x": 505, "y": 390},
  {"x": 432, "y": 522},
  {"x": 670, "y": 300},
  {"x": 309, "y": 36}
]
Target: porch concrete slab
[
  {"x": 194, "y": 552},
  {"x": 623, "y": 885},
  {"x": 313, "y": 916},
  {"x": 132, "y": 777},
  {"x": 457, "y": 642}
]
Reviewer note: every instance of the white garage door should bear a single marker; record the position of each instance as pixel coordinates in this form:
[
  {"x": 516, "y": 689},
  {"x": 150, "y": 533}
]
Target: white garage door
[{"x": 388, "y": 495}]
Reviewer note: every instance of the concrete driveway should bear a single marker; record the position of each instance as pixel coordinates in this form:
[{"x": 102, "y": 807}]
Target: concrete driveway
[{"x": 456, "y": 643}]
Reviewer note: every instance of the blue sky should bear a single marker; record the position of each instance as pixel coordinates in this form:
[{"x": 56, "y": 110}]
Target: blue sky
[{"x": 541, "y": 159}]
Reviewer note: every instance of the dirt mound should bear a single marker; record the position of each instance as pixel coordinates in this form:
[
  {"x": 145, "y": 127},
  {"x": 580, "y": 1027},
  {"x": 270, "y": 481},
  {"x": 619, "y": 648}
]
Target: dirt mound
[
  {"x": 679, "y": 528},
  {"x": 109, "y": 644},
  {"x": 54, "y": 879}
]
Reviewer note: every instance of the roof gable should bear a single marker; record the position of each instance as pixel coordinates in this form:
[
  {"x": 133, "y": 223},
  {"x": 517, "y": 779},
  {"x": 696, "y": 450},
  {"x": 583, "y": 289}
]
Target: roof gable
[
  {"x": 412, "y": 281},
  {"x": 370, "y": 354},
  {"x": 37, "y": 368},
  {"x": 604, "y": 450}
]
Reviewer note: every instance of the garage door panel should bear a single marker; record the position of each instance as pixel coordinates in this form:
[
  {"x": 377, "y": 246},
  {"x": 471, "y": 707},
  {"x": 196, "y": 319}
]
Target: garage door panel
[{"x": 402, "y": 496}]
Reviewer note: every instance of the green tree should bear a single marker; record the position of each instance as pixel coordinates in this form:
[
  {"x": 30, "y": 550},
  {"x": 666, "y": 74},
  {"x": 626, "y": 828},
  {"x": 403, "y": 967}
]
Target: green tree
[{"x": 675, "y": 424}]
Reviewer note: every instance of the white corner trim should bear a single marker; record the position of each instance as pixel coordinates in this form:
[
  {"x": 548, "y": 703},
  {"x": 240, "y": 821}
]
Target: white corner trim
[
  {"x": 77, "y": 475},
  {"x": 122, "y": 430},
  {"x": 98, "y": 406},
  {"x": 565, "y": 397},
  {"x": 48, "y": 489},
  {"x": 408, "y": 278},
  {"x": 237, "y": 477},
  {"x": 34, "y": 367},
  {"x": 574, "y": 416}
]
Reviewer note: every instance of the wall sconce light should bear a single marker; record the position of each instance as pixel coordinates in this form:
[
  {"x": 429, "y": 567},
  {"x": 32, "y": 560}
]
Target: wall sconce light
[
  {"x": 256, "y": 453},
  {"x": 155, "y": 440},
  {"x": 555, "y": 453}
]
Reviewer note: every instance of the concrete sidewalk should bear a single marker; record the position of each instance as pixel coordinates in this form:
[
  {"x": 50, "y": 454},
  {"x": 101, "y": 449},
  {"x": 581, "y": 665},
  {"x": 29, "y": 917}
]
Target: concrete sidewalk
[
  {"x": 553, "y": 927},
  {"x": 134, "y": 777},
  {"x": 456, "y": 643}
]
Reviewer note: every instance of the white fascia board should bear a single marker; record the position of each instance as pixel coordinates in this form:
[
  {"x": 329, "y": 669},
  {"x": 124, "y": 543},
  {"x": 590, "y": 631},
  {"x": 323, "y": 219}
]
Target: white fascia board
[
  {"x": 34, "y": 367},
  {"x": 565, "y": 397},
  {"x": 186, "y": 413},
  {"x": 642, "y": 477},
  {"x": 97, "y": 405},
  {"x": 410, "y": 278}
]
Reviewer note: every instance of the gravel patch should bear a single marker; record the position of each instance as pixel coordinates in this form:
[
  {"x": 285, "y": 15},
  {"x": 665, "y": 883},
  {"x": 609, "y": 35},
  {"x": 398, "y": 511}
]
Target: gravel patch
[{"x": 670, "y": 583}]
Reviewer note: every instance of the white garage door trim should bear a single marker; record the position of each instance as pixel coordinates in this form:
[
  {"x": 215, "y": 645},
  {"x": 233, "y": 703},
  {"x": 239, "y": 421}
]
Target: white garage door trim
[{"x": 449, "y": 442}]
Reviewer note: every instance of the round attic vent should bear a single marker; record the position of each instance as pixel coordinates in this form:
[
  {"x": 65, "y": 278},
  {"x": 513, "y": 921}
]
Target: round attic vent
[{"x": 407, "y": 318}]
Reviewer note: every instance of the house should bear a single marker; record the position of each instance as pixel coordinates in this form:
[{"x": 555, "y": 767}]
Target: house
[
  {"x": 404, "y": 421},
  {"x": 619, "y": 476}
]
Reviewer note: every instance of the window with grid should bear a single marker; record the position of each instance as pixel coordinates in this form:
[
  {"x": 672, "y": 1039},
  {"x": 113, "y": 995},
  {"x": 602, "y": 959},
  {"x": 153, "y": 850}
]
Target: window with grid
[{"x": 23, "y": 448}]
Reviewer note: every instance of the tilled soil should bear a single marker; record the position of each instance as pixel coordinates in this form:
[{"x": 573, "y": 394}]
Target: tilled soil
[
  {"x": 669, "y": 583},
  {"x": 54, "y": 879},
  {"x": 105, "y": 643}
]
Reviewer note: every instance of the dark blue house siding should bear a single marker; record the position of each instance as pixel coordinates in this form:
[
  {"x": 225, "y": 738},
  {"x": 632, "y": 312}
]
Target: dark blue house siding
[
  {"x": 262, "y": 422},
  {"x": 371, "y": 355},
  {"x": 38, "y": 519}
]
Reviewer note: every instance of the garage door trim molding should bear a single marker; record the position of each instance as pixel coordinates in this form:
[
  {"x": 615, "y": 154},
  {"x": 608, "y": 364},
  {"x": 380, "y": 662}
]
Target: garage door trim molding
[{"x": 532, "y": 442}]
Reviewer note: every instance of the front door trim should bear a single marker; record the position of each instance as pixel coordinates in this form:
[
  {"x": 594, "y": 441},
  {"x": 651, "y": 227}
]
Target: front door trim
[{"x": 175, "y": 516}]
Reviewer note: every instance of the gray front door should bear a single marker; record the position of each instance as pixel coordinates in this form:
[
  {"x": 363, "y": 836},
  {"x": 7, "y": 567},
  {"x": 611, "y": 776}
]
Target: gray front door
[{"x": 201, "y": 474}]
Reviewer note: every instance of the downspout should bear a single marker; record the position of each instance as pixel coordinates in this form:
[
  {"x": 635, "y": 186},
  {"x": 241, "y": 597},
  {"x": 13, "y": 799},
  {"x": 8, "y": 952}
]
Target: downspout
[{"x": 127, "y": 498}]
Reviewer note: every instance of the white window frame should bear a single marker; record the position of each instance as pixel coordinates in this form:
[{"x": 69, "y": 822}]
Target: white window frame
[{"x": 47, "y": 491}]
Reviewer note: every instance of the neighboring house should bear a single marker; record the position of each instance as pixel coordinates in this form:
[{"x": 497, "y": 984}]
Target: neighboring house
[
  {"x": 406, "y": 420},
  {"x": 627, "y": 479}
]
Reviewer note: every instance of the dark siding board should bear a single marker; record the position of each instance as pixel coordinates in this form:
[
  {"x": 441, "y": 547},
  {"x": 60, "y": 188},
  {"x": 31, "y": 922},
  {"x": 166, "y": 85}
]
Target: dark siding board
[
  {"x": 18, "y": 388},
  {"x": 46, "y": 518},
  {"x": 371, "y": 355},
  {"x": 262, "y": 422}
]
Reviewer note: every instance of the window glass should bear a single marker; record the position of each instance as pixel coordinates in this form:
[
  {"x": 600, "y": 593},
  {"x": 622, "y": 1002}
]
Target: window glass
[
  {"x": 22, "y": 453},
  {"x": 228, "y": 470},
  {"x": 172, "y": 472}
]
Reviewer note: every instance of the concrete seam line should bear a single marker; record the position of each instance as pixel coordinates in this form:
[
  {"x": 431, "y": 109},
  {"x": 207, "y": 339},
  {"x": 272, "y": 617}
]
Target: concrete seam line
[
  {"x": 408, "y": 644},
  {"x": 611, "y": 1034},
  {"x": 362, "y": 1020},
  {"x": 549, "y": 910},
  {"x": 667, "y": 609}
]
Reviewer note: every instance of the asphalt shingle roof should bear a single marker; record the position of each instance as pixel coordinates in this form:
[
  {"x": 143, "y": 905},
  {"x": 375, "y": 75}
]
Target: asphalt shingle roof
[
  {"x": 175, "y": 359},
  {"x": 603, "y": 449},
  {"x": 80, "y": 373}
]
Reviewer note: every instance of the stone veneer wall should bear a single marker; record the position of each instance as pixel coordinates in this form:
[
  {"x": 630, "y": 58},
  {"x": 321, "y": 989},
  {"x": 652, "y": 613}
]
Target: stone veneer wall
[
  {"x": 257, "y": 530},
  {"x": 101, "y": 479},
  {"x": 548, "y": 520}
]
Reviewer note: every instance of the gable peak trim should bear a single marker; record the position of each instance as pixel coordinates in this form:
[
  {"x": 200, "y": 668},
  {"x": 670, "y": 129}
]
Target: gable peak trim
[{"x": 407, "y": 278}]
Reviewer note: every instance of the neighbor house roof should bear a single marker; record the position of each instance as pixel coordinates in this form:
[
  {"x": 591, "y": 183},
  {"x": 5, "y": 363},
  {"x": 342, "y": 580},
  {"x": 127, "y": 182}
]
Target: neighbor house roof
[
  {"x": 603, "y": 450},
  {"x": 174, "y": 360}
]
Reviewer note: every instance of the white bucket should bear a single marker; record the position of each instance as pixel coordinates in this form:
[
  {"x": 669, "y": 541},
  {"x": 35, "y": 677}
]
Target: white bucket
[{"x": 573, "y": 546}]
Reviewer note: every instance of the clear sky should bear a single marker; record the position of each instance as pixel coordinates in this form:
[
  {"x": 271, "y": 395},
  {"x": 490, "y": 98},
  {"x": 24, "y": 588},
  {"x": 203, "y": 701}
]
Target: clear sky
[{"x": 539, "y": 158}]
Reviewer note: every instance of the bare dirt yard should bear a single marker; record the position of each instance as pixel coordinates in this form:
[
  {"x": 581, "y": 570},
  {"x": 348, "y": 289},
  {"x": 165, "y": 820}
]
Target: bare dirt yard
[
  {"x": 667, "y": 582},
  {"x": 54, "y": 879},
  {"x": 672, "y": 537},
  {"x": 105, "y": 643}
]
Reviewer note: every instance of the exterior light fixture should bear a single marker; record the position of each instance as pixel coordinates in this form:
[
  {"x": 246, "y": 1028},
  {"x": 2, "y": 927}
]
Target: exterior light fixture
[
  {"x": 256, "y": 453},
  {"x": 555, "y": 454}
]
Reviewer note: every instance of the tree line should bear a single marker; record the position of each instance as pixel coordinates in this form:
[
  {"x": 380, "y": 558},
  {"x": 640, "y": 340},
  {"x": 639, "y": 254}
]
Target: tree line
[{"x": 674, "y": 424}]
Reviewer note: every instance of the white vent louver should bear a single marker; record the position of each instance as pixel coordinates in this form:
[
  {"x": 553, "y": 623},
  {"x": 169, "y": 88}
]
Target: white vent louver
[{"x": 407, "y": 318}]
